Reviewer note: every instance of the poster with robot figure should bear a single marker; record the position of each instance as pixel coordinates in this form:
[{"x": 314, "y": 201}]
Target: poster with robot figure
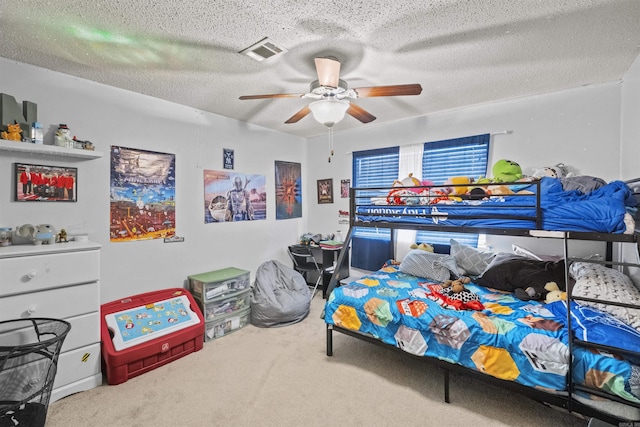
[
  {"x": 142, "y": 195},
  {"x": 288, "y": 190},
  {"x": 232, "y": 196}
]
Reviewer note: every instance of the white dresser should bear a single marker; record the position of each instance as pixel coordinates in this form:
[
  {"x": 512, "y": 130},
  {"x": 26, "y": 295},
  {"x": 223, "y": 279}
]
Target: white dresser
[{"x": 59, "y": 281}]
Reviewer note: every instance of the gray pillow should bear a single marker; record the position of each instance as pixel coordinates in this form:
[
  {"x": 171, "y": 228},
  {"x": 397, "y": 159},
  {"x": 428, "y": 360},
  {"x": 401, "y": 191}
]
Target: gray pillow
[
  {"x": 437, "y": 267},
  {"x": 470, "y": 261}
]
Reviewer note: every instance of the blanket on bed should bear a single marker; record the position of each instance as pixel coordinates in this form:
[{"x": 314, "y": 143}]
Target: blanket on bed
[{"x": 510, "y": 339}]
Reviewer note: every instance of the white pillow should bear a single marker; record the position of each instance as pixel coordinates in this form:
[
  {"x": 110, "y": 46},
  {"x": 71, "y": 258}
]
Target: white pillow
[
  {"x": 425, "y": 264},
  {"x": 598, "y": 281},
  {"x": 470, "y": 261}
]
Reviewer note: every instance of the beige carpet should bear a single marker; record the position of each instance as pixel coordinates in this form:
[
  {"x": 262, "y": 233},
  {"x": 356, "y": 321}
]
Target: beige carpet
[{"x": 283, "y": 377}]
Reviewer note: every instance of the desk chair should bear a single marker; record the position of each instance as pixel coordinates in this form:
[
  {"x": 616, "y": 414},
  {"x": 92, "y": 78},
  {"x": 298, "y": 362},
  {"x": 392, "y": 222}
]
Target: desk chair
[{"x": 304, "y": 262}]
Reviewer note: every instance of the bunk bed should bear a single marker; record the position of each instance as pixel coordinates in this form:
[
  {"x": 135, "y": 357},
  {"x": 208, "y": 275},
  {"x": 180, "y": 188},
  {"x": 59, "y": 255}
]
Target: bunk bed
[{"x": 523, "y": 345}]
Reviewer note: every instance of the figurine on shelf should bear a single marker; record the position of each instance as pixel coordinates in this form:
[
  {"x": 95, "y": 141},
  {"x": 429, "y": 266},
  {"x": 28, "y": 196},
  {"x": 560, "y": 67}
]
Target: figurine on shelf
[
  {"x": 12, "y": 133},
  {"x": 62, "y": 137},
  {"x": 62, "y": 236}
]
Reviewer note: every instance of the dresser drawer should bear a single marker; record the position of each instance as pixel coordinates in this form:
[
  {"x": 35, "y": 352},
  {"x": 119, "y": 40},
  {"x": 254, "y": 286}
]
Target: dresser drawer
[
  {"x": 85, "y": 329},
  {"x": 58, "y": 303},
  {"x": 34, "y": 273},
  {"x": 78, "y": 364}
]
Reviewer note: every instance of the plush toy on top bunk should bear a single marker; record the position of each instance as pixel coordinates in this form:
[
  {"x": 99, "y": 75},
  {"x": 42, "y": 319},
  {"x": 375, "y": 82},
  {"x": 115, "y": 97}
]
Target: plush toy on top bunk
[
  {"x": 410, "y": 191},
  {"x": 570, "y": 180}
]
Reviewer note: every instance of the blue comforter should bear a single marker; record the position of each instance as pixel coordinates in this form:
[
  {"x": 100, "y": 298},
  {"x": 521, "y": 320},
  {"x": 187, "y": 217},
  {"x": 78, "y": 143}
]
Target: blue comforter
[{"x": 510, "y": 339}]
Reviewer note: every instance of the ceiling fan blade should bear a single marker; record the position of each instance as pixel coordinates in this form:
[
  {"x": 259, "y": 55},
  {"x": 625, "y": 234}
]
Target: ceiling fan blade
[
  {"x": 360, "y": 113},
  {"x": 328, "y": 70},
  {"x": 300, "y": 114},
  {"x": 273, "y": 95},
  {"x": 394, "y": 90}
]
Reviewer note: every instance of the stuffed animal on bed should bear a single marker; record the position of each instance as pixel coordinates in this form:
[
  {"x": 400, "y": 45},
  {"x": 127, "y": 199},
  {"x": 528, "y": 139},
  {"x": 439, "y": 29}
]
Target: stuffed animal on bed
[
  {"x": 424, "y": 246},
  {"x": 453, "y": 294},
  {"x": 555, "y": 295},
  {"x": 557, "y": 171},
  {"x": 506, "y": 171},
  {"x": 409, "y": 191}
]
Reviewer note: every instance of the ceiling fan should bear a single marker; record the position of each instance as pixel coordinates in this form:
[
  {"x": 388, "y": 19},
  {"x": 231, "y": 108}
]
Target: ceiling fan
[{"x": 330, "y": 93}]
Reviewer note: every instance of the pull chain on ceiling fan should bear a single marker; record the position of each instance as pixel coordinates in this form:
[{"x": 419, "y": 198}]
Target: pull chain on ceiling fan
[{"x": 330, "y": 92}]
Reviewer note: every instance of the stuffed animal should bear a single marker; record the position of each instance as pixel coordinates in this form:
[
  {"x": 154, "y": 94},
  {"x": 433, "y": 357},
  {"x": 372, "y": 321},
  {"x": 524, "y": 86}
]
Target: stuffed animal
[
  {"x": 557, "y": 171},
  {"x": 536, "y": 292},
  {"x": 461, "y": 184},
  {"x": 506, "y": 171},
  {"x": 410, "y": 191},
  {"x": 457, "y": 285},
  {"x": 555, "y": 295},
  {"x": 409, "y": 181},
  {"x": 458, "y": 296},
  {"x": 423, "y": 246},
  {"x": 13, "y": 132}
]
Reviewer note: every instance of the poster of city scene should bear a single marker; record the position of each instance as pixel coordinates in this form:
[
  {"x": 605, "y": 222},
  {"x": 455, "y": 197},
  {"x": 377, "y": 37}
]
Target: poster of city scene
[
  {"x": 288, "y": 190},
  {"x": 231, "y": 196},
  {"x": 142, "y": 195}
]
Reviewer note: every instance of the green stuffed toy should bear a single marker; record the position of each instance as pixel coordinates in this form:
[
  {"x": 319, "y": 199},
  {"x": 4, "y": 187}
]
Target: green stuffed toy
[{"x": 506, "y": 171}]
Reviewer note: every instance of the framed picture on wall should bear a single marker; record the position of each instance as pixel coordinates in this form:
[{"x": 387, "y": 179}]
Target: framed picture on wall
[
  {"x": 344, "y": 188},
  {"x": 41, "y": 183},
  {"x": 325, "y": 190}
]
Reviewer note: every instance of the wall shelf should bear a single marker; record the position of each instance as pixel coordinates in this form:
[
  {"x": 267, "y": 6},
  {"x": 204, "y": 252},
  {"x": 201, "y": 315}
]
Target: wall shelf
[{"x": 47, "y": 150}]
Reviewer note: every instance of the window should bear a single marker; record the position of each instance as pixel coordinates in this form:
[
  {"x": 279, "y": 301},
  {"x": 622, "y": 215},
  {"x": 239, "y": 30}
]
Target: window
[
  {"x": 440, "y": 160},
  {"x": 454, "y": 157},
  {"x": 371, "y": 247},
  {"x": 375, "y": 168}
]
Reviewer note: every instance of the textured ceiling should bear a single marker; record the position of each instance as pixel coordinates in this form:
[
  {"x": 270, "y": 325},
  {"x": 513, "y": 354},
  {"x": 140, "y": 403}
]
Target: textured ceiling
[{"x": 461, "y": 52}]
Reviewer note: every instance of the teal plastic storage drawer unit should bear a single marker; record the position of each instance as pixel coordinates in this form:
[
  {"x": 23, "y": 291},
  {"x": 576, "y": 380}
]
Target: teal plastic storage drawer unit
[{"x": 212, "y": 285}]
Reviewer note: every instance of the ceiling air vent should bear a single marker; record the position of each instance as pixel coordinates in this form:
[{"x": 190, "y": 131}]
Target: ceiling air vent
[{"x": 264, "y": 49}]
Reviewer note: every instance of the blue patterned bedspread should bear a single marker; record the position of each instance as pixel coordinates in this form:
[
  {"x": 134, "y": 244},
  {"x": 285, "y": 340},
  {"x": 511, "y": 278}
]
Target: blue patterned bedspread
[{"x": 507, "y": 338}]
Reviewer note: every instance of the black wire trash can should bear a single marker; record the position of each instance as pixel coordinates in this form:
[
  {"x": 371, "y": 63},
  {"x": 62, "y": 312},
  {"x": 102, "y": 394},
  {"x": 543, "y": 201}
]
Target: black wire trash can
[{"x": 29, "y": 350}]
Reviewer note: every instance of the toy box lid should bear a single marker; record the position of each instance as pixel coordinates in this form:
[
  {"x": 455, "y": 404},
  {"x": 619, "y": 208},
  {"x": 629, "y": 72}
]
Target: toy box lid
[{"x": 218, "y": 275}]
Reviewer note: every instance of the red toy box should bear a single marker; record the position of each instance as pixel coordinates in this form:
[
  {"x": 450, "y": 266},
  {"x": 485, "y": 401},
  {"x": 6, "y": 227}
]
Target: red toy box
[{"x": 145, "y": 331}]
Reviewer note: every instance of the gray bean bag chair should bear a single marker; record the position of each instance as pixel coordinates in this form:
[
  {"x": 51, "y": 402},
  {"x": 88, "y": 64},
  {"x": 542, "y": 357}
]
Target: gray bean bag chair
[{"x": 279, "y": 296}]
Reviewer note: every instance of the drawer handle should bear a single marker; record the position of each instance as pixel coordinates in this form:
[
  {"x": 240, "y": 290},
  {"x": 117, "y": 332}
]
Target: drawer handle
[
  {"x": 32, "y": 274},
  {"x": 31, "y": 310}
]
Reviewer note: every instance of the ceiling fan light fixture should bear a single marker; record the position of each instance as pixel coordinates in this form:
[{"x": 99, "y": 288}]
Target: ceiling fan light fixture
[{"x": 329, "y": 111}]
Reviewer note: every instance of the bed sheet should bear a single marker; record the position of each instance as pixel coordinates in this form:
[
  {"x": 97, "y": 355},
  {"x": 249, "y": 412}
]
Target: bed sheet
[
  {"x": 603, "y": 210},
  {"x": 507, "y": 338}
]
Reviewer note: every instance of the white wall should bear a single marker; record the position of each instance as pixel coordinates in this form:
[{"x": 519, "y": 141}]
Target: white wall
[
  {"x": 579, "y": 127},
  {"x": 630, "y": 122},
  {"x": 109, "y": 116}
]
